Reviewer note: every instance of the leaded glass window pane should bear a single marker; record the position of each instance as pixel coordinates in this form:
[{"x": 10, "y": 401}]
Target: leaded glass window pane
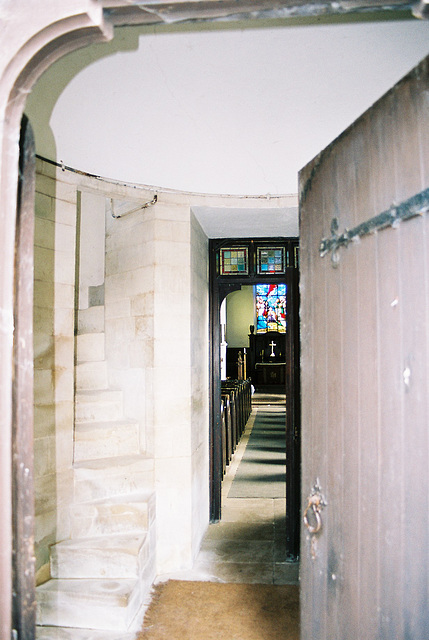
[
  {"x": 234, "y": 261},
  {"x": 271, "y": 260}
]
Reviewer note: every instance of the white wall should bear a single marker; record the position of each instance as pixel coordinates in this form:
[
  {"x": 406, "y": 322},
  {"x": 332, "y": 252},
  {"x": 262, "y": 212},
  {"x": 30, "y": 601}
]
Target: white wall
[
  {"x": 238, "y": 111},
  {"x": 240, "y": 314}
]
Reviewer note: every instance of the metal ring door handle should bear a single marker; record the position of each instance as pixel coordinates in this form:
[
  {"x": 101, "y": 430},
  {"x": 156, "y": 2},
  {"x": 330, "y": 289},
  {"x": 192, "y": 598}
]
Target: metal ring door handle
[
  {"x": 316, "y": 528},
  {"x": 315, "y": 503}
]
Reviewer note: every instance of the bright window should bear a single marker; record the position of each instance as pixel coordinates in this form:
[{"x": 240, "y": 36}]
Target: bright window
[{"x": 270, "y": 306}]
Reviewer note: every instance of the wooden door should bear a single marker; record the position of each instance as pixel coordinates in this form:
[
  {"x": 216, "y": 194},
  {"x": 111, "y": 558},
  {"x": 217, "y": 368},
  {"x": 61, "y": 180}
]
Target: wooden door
[
  {"x": 365, "y": 376},
  {"x": 24, "y": 595}
]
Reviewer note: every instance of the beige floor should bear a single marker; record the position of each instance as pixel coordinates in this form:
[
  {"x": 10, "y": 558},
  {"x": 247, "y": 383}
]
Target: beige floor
[{"x": 248, "y": 544}]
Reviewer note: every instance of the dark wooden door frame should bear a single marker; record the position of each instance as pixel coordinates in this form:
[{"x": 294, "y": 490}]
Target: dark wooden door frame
[
  {"x": 293, "y": 427},
  {"x": 23, "y": 561},
  {"x": 219, "y": 289}
]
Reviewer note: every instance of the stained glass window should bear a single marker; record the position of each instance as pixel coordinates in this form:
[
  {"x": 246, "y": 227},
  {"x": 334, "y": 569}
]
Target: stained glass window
[
  {"x": 270, "y": 302},
  {"x": 234, "y": 261},
  {"x": 271, "y": 260}
]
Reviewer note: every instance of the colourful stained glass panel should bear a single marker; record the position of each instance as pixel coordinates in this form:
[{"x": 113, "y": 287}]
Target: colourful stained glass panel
[
  {"x": 270, "y": 302},
  {"x": 234, "y": 261},
  {"x": 271, "y": 260}
]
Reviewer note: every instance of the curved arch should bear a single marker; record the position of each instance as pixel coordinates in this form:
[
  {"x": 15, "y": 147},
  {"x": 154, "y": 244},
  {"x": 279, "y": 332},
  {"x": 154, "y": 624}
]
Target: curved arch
[{"x": 37, "y": 39}]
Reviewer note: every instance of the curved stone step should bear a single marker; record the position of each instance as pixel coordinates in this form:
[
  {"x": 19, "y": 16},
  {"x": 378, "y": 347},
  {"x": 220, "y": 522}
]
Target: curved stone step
[
  {"x": 90, "y": 347},
  {"x": 117, "y": 476},
  {"x": 91, "y": 320},
  {"x": 105, "y": 439},
  {"x": 98, "y": 405},
  {"x": 113, "y": 557},
  {"x": 120, "y": 514},
  {"x": 68, "y": 633},
  {"x": 92, "y": 604},
  {"x": 91, "y": 375}
]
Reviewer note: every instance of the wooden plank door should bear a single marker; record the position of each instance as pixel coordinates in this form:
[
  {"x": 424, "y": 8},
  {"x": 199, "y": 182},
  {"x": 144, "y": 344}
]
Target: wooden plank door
[
  {"x": 23, "y": 561},
  {"x": 365, "y": 378}
]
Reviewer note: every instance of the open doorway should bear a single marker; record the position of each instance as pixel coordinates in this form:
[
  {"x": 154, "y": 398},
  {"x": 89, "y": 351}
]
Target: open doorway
[
  {"x": 253, "y": 362},
  {"x": 269, "y": 358},
  {"x": 8, "y": 174}
]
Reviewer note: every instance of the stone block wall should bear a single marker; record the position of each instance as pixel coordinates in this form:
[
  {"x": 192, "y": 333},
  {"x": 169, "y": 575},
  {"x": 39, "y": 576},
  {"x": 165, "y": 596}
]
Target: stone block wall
[
  {"x": 129, "y": 309},
  {"x": 54, "y": 301},
  {"x": 172, "y": 384},
  {"x": 199, "y": 383},
  {"x": 154, "y": 301},
  {"x": 156, "y": 346}
]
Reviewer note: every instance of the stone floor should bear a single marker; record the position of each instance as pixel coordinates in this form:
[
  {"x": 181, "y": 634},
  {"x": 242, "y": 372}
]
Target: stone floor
[{"x": 248, "y": 544}]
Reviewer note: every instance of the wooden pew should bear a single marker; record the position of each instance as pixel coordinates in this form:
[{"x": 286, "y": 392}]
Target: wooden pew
[
  {"x": 223, "y": 432},
  {"x": 228, "y": 427},
  {"x": 240, "y": 407}
]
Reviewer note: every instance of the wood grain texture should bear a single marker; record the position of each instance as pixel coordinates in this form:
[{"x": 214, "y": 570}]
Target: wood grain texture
[
  {"x": 365, "y": 338},
  {"x": 24, "y": 595}
]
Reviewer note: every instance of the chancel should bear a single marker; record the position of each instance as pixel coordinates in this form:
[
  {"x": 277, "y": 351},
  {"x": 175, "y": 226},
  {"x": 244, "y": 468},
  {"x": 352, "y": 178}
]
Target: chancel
[{"x": 269, "y": 361}]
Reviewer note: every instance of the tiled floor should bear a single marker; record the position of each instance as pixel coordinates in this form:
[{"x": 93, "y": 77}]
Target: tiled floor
[{"x": 248, "y": 544}]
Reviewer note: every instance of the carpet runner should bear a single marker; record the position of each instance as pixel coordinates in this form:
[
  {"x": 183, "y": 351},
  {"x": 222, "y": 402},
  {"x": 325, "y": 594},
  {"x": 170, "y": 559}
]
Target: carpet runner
[{"x": 262, "y": 470}]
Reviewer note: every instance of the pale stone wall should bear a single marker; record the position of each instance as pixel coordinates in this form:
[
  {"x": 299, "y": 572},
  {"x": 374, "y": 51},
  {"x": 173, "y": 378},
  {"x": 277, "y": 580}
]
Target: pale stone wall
[
  {"x": 156, "y": 344},
  {"x": 172, "y": 384},
  {"x": 199, "y": 383},
  {"x": 54, "y": 298},
  {"x": 129, "y": 308},
  {"x": 91, "y": 247}
]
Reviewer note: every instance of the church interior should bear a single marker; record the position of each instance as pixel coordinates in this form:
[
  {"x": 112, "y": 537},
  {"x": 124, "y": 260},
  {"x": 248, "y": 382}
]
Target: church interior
[{"x": 166, "y": 372}]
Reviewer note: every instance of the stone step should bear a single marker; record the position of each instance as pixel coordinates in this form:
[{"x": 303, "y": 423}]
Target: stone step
[
  {"x": 93, "y": 604},
  {"x": 105, "y": 439},
  {"x": 122, "y": 514},
  {"x": 113, "y": 557},
  {"x": 91, "y": 375},
  {"x": 90, "y": 347},
  {"x": 116, "y": 476},
  {"x": 68, "y": 633},
  {"x": 90, "y": 320},
  {"x": 98, "y": 405}
]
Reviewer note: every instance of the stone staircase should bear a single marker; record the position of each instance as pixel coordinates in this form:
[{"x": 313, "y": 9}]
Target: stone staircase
[{"x": 101, "y": 576}]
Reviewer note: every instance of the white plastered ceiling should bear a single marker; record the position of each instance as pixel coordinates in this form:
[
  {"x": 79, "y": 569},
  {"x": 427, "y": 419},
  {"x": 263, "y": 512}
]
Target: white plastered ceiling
[
  {"x": 225, "y": 222},
  {"x": 235, "y": 111}
]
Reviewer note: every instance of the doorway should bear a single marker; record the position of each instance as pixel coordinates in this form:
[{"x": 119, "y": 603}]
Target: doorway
[
  {"x": 235, "y": 263},
  {"x": 253, "y": 364},
  {"x": 9, "y": 180}
]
